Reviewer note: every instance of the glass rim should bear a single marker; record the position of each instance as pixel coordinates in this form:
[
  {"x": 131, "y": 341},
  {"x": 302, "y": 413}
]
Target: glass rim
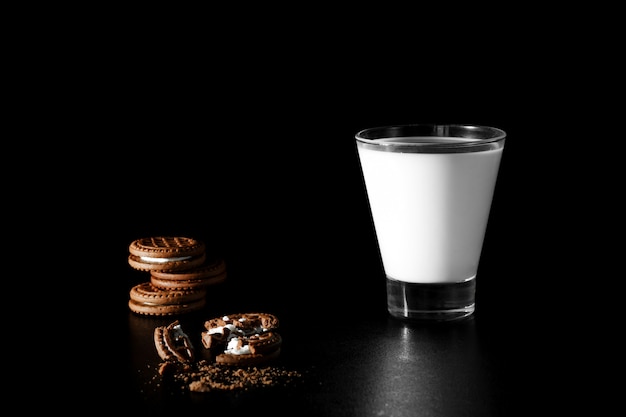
[{"x": 471, "y": 138}]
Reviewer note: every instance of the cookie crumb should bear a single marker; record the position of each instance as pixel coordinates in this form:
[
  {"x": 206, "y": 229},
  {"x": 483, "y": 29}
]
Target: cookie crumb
[{"x": 208, "y": 377}]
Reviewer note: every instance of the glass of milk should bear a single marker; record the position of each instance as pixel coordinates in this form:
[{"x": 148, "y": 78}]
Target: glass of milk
[{"x": 430, "y": 189}]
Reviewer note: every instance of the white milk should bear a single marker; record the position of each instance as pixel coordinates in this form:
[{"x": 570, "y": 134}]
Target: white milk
[{"x": 430, "y": 210}]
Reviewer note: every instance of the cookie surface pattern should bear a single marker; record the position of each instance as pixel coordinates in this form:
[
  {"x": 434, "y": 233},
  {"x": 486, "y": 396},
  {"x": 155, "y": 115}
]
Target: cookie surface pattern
[
  {"x": 149, "y": 294},
  {"x": 186, "y": 285},
  {"x": 245, "y": 321},
  {"x": 164, "y": 246},
  {"x": 209, "y": 270},
  {"x": 166, "y": 309}
]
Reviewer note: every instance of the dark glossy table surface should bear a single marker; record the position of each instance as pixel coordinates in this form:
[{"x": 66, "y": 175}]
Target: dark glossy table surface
[
  {"x": 354, "y": 360},
  {"x": 298, "y": 242},
  {"x": 352, "y": 366}
]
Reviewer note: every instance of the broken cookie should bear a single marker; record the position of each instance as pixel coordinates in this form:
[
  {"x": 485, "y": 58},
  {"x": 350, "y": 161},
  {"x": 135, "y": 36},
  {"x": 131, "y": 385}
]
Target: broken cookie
[
  {"x": 243, "y": 339},
  {"x": 173, "y": 344}
]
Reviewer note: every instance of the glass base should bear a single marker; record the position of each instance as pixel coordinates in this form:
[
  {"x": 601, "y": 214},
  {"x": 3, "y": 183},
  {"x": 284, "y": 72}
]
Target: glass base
[{"x": 431, "y": 302}]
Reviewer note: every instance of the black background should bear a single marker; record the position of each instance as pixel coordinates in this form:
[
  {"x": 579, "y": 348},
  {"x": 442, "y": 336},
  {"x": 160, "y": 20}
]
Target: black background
[{"x": 248, "y": 145}]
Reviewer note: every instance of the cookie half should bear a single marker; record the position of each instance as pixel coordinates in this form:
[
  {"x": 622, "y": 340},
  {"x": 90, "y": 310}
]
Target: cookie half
[
  {"x": 166, "y": 253},
  {"x": 173, "y": 344}
]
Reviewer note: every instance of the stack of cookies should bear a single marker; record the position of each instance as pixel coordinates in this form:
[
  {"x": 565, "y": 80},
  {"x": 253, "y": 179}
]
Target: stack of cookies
[{"x": 180, "y": 273}]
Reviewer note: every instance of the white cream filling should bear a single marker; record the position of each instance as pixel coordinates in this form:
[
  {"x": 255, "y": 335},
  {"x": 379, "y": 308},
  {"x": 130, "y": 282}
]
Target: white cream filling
[
  {"x": 163, "y": 260},
  {"x": 232, "y": 348},
  {"x": 230, "y": 327},
  {"x": 179, "y": 334},
  {"x": 233, "y": 337}
]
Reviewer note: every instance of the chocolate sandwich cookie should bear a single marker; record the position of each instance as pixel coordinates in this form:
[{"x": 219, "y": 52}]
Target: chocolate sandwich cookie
[
  {"x": 166, "y": 253},
  {"x": 147, "y": 299},
  {"x": 204, "y": 276},
  {"x": 244, "y": 339}
]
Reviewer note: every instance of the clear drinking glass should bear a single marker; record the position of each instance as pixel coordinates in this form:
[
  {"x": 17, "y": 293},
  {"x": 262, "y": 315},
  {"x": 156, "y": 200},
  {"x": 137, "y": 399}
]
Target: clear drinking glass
[{"x": 430, "y": 189}]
